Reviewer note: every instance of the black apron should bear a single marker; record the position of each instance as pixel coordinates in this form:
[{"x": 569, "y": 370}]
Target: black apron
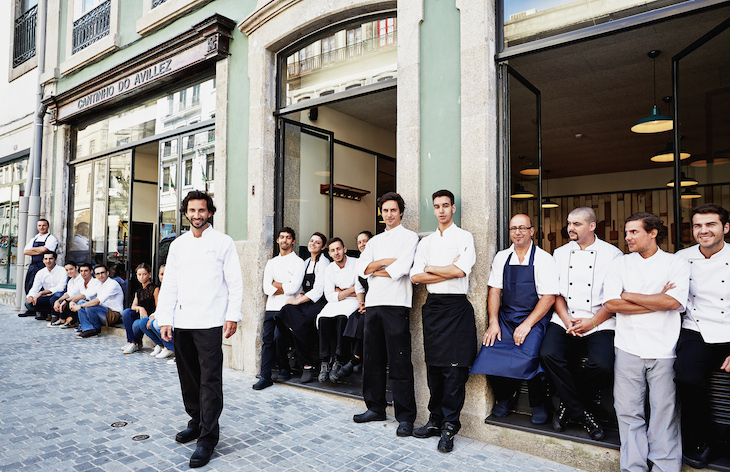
[
  {"x": 449, "y": 330},
  {"x": 356, "y": 321},
  {"x": 36, "y": 264},
  {"x": 519, "y": 297}
]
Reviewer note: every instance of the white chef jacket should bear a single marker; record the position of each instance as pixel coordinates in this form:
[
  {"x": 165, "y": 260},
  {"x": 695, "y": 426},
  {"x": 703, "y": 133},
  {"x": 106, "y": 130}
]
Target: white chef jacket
[
  {"x": 342, "y": 278},
  {"x": 438, "y": 249},
  {"x": 203, "y": 285},
  {"x": 399, "y": 243},
  {"x": 708, "y": 306},
  {"x": 650, "y": 335},
  {"x": 320, "y": 267},
  {"x": 287, "y": 270},
  {"x": 546, "y": 272},
  {"x": 49, "y": 241},
  {"x": 91, "y": 288},
  {"x": 582, "y": 272},
  {"x": 111, "y": 296},
  {"x": 53, "y": 280}
]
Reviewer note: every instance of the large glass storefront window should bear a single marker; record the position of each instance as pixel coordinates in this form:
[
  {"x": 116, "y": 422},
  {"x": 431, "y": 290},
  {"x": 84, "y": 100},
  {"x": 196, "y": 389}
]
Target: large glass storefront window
[
  {"x": 12, "y": 187},
  {"x": 357, "y": 54},
  {"x": 125, "y": 202}
]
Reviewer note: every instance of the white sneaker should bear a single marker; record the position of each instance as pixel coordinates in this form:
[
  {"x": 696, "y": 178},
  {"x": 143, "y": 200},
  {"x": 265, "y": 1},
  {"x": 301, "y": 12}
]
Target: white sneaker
[
  {"x": 155, "y": 351},
  {"x": 164, "y": 353},
  {"x": 126, "y": 346},
  {"x": 132, "y": 347},
  {"x": 172, "y": 361}
]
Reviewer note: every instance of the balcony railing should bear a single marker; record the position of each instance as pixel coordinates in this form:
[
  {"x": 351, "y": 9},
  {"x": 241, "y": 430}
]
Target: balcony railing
[
  {"x": 91, "y": 27},
  {"x": 338, "y": 56},
  {"x": 157, "y": 3},
  {"x": 24, "y": 37}
]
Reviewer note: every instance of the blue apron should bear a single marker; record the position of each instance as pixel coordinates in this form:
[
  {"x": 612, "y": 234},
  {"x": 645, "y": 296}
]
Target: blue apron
[
  {"x": 36, "y": 264},
  {"x": 519, "y": 297}
]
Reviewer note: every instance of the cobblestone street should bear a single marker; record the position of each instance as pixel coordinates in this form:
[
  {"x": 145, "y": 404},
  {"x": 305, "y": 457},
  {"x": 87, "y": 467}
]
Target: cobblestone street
[{"x": 60, "y": 396}]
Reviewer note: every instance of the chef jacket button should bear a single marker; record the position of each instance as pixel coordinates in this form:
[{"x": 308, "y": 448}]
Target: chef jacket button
[
  {"x": 571, "y": 283},
  {"x": 720, "y": 299},
  {"x": 571, "y": 267},
  {"x": 572, "y": 312},
  {"x": 569, "y": 298},
  {"x": 589, "y": 285},
  {"x": 691, "y": 262},
  {"x": 588, "y": 301},
  {"x": 590, "y": 267}
]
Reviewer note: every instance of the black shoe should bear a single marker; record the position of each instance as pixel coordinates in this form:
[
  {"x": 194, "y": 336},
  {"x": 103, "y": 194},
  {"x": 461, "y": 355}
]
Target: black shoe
[
  {"x": 595, "y": 430},
  {"x": 540, "y": 414},
  {"x": 429, "y": 430},
  {"x": 283, "y": 376},
  {"x": 560, "y": 418},
  {"x": 201, "y": 456},
  {"x": 26, "y": 314},
  {"x": 187, "y": 435},
  {"x": 324, "y": 370},
  {"x": 306, "y": 375},
  {"x": 446, "y": 443},
  {"x": 503, "y": 407},
  {"x": 262, "y": 384},
  {"x": 697, "y": 457},
  {"x": 88, "y": 333},
  {"x": 344, "y": 372},
  {"x": 368, "y": 416},
  {"x": 40, "y": 317},
  {"x": 405, "y": 429}
]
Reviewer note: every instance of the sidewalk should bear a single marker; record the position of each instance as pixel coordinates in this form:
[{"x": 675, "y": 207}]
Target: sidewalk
[{"x": 60, "y": 395}]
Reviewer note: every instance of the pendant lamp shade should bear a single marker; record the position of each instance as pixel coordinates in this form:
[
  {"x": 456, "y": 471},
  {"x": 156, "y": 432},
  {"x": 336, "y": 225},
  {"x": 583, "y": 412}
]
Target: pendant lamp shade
[
  {"x": 547, "y": 204},
  {"x": 521, "y": 192},
  {"x": 530, "y": 169},
  {"x": 710, "y": 162},
  {"x": 655, "y": 122},
  {"x": 690, "y": 194},
  {"x": 667, "y": 154},
  {"x": 684, "y": 181}
]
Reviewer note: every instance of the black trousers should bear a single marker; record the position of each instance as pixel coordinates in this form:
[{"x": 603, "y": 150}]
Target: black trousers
[
  {"x": 387, "y": 345},
  {"x": 299, "y": 321},
  {"x": 448, "y": 390},
  {"x": 561, "y": 354},
  {"x": 331, "y": 340},
  {"x": 199, "y": 357},
  {"x": 505, "y": 388},
  {"x": 696, "y": 360}
]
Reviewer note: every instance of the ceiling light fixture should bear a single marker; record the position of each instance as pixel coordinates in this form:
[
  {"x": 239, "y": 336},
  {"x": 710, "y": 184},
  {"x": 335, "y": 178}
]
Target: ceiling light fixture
[
  {"x": 684, "y": 181},
  {"x": 521, "y": 192},
  {"x": 690, "y": 194},
  {"x": 710, "y": 162},
  {"x": 530, "y": 169},
  {"x": 654, "y": 123},
  {"x": 546, "y": 202},
  {"x": 667, "y": 154}
]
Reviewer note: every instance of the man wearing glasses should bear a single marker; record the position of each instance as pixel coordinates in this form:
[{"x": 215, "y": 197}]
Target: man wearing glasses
[
  {"x": 106, "y": 308},
  {"x": 523, "y": 284}
]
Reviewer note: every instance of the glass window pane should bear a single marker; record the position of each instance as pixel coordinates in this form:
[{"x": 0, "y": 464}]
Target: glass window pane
[
  {"x": 354, "y": 56},
  {"x": 98, "y": 225},
  {"x": 118, "y": 213},
  {"x": 79, "y": 244}
]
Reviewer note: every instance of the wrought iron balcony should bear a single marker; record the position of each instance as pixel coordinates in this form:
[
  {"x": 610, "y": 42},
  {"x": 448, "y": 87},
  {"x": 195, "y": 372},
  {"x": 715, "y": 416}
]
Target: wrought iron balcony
[
  {"x": 24, "y": 36},
  {"x": 91, "y": 27},
  {"x": 157, "y": 3},
  {"x": 346, "y": 54}
]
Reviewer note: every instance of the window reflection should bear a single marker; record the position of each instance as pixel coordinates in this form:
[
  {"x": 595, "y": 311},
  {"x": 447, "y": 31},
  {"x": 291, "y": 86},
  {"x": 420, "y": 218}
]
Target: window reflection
[{"x": 12, "y": 186}]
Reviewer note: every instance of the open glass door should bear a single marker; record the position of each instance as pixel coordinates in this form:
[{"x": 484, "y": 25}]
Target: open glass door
[
  {"x": 701, "y": 82},
  {"x": 522, "y": 151},
  {"x": 304, "y": 181}
]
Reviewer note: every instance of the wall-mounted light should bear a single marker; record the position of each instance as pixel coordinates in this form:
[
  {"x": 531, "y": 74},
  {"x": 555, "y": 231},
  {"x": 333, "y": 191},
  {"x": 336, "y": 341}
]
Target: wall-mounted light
[{"x": 655, "y": 122}]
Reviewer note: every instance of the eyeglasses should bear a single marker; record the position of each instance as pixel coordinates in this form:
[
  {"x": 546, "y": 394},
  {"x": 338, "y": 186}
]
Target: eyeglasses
[{"x": 521, "y": 229}]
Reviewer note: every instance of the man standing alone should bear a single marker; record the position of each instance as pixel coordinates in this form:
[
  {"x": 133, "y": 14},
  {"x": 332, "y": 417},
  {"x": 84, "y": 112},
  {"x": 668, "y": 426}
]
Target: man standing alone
[
  {"x": 36, "y": 247},
  {"x": 203, "y": 288},
  {"x": 443, "y": 262},
  {"x": 386, "y": 263}
]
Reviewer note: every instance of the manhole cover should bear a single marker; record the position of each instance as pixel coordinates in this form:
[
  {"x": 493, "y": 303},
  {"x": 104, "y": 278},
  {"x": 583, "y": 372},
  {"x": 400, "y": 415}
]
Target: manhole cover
[
  {"x": 120, "y": 424},
  {"x": 140, "y": 437}
]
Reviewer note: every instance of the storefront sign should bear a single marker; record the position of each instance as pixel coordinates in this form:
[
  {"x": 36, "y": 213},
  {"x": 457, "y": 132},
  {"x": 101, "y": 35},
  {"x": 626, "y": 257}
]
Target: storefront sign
[{"x": 135, "y": 80}]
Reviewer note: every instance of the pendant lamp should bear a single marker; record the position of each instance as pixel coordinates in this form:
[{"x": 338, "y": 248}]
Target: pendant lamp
[
  {"x": 667, "y": 154},
  {"x": 655, "y": 122},
  {"x": 530, "y": 169},
  {"x": 710, "y": 162},
  {"x": 690, "y": 194},
  {"x": 546, "y": 202},
  {"x": 684, "y": 181},
  {"x": 521, "y": 192}
]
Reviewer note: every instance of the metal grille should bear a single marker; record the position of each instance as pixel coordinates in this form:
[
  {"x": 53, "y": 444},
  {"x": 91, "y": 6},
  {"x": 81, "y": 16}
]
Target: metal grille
[
  {"x": 91, "y": 27},
  {"x": 24, "y": 37},
  {"x": 157, "y": 3}
]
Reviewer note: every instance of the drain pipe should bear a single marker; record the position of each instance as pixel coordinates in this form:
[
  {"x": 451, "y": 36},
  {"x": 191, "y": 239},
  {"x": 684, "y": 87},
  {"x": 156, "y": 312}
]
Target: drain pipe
[{"x": 30, "y": 203}]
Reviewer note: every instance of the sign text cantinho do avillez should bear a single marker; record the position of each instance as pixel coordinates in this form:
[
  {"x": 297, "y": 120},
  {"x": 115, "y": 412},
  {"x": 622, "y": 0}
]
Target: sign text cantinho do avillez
[{"x": 133, "y": 81}]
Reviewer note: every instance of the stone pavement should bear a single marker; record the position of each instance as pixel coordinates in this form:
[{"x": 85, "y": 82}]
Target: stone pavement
[{"x": 59, "y": 397}]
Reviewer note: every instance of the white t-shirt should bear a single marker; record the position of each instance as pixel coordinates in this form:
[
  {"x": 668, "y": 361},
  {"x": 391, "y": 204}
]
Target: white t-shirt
[
  {"x": 438, "y": 249},
  {"x": 650, "y": 335},
  {"x": 582, "y": 272},
  {"x": 708, "y": 306},
  {"x": 546, "y": 272}
]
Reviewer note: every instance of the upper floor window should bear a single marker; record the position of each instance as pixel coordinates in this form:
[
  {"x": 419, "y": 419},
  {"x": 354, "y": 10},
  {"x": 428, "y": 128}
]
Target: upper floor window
[
  {"x": 24, "y": 32},
  {"x": 92, "y": 19}
]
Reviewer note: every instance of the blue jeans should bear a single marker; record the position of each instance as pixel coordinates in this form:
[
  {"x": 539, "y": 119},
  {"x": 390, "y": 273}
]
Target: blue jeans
[
  {"x": 153, "y": 332},
  {"x": 92, "y": 317},
  {"x": 128, "y": 318}
]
